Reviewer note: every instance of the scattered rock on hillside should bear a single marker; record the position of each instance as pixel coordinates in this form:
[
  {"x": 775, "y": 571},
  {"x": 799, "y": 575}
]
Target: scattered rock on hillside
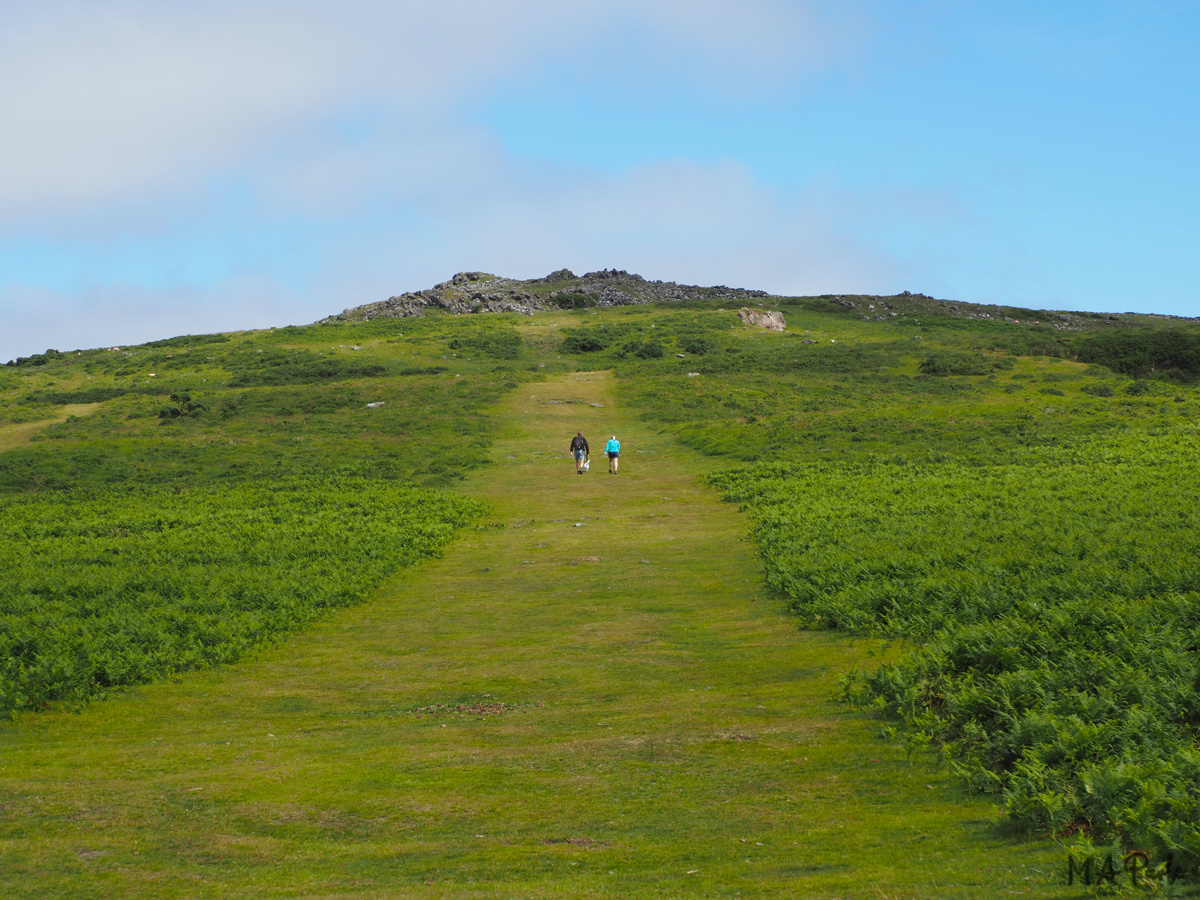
[{"x": 772, "y": 320}]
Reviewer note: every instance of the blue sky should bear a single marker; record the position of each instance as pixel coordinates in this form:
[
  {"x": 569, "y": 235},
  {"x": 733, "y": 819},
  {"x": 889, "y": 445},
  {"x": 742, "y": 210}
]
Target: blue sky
[{"x": 200, "y": 166}]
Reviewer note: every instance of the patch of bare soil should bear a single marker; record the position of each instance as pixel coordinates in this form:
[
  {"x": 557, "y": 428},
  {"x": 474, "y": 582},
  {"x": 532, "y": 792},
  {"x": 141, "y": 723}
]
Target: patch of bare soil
[
  {"x": 574, "y": 842},
  {"x": 487, "y": 708}
]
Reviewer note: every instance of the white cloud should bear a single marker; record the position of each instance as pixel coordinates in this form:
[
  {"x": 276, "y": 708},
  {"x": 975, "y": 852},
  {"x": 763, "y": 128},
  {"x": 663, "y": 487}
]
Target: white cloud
[
  {"x": 174, "y": 139},
  {"x": 111, "y": 102},
  {"x": 751, "y": 46},
  {"x": 99, "y": 103}
]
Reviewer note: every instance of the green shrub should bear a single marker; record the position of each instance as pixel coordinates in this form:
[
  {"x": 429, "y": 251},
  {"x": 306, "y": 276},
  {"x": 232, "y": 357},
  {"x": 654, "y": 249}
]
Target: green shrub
[
  {"x": 497, "y": 343},
  {"x": 583, "y": 343},
  {"x": 642, "y": 349},
  {"x": 183, "y": 405},
  {"x": 697, "y": 345},
  {"x": 594, "y": 338},
  {"x": 948, "y": 363},
  {"x": 38, "y": 359},
  {"x": 281, "y": 367}
]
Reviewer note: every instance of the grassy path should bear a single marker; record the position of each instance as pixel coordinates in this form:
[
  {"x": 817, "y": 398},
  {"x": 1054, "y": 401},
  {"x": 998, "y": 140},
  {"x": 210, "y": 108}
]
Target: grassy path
[
  {"x": 15, "y": 435},
  {"x": 609, "y": 709}
]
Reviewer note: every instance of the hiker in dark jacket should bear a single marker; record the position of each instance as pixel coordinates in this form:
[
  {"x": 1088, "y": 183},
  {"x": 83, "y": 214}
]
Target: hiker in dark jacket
[{"x": 579, "y": 450}]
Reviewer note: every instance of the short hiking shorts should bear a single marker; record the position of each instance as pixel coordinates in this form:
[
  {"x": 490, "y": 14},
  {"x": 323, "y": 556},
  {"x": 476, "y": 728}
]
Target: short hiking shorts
[
  {"x": 579, "y": 456},
  {"x": 613, "y": 454}
]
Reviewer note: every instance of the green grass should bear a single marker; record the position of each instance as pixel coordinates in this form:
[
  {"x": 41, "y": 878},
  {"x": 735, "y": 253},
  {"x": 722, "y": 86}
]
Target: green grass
[
  {"x": 662, "y": 718},
  {"x": 119, "y": 587},
  {"x": 621, "y": 708}
]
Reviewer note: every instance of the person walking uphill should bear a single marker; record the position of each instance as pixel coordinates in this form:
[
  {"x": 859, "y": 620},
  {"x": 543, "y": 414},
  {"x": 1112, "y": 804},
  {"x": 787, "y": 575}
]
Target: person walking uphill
[
  {"x": 579, "y": 450},
  {"x": 613, "y": 449}
]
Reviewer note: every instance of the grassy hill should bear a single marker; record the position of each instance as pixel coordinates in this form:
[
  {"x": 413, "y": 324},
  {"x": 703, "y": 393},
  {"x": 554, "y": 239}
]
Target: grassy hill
[{"x": 982, "y": 518}]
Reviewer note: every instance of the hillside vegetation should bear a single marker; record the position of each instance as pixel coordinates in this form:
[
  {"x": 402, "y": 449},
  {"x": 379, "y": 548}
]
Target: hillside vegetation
[
  {"x": 114, "y": 588},
  {"x": 1009, "y": 493},
  {"x": 1028, "y": 518},
  {"x": 226, "y": 490}
]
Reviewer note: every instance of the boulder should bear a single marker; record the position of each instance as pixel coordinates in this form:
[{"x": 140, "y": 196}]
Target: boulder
[
  {"x": 469, "y": 278},
  {"x": 771, "y": 320}
]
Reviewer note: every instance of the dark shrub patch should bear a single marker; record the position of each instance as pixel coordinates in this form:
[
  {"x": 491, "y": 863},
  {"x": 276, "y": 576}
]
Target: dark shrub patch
[
  {"x": 953, "y": 364},
  {"x": 38, "y": 359},
  {"x": 698, "y": 345},
  {"x": 643, "y": 350},
  {"x": 583, "y": 343},
  {"x": 279, "y": 367},
  {"x": 496, "y": 343},
  {"x": 594, "y": 338},
  {"x": 574, "y": 300},
  {"x": 1146, "y": 354},
  {"x": 183, "y": 405},
  {"x": 190, "y": 340},
  {"x": 88, "y": 395}
]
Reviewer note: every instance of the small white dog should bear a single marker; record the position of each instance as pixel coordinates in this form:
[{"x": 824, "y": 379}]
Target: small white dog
[{"x": 586, "y": 464}]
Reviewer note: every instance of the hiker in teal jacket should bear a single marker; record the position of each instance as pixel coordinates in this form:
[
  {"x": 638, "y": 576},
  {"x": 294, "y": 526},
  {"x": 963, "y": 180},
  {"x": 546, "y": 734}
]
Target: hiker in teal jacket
[{"x": 613, "y": 449}]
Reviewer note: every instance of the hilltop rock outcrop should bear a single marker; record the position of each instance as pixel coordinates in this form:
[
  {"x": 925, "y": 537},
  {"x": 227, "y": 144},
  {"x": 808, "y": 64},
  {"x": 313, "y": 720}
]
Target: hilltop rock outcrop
[
  {"x": 481, "y": 292},
  {"x": 478, "y": 292}
]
